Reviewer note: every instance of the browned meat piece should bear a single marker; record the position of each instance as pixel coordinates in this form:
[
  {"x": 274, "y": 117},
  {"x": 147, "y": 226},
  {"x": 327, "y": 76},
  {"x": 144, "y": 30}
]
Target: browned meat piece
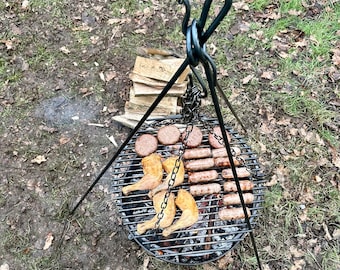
[
  {"x": 199, "y": 164},
  {"x": 206, "y": 189},
  {"x": 145, "y": 145},
  {"x": 222, "y": 152},
  {"x": 241, "y": 172},
  {"x": 232, "y": 213},
  {"x": 225, "y": 162},
  {"x": 234, "y": 198},
  {"x": 168, "y": 166},
  {"x": 214, "y": 142},
  {"x": 169, "y": 213},
  {"x": 245, "y": 185},
  {"x": 168, "y": 135},
  {"x": 187, "y": 204},
  {"x": 197, "y": 153},
  {"x": 153, "y": 173},
  {"x": 194, "y": 139},
  {"x": 203, "y": 176}
]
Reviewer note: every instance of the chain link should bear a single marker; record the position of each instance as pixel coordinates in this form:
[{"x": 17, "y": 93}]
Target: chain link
[
  {"x": 191, "y": 104},
  {"x": 174, "y": 172}
]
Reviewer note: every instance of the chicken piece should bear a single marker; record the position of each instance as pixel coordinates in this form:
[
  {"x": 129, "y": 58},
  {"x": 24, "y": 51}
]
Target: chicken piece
[
  {"x": 189, "y": 216},
  {"x": 153, "y": 173},
  {"x": 168, "y": 166},
  {"x": 169, "y": 213}
]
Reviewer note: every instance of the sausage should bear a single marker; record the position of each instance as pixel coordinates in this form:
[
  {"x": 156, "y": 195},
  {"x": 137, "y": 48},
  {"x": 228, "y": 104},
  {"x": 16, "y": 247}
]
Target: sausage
[
  {"x": 241, "y": 172},
  {"x": 230, "y": 186},
  {"x": 168, "y": 135},
  {"x": 234, "y": 198},
  {"x": 217, "y": 133},
  {"x": 232, "y": 213},
  {"x": 199, "y": 164},
  {"x": 197, "y": 153},
  {"x": 200, "y": 190},
  {"x": 222, "y": 152},
  {"x": 225, "y": 162},
  {"x": 145, "y": 145},
  {"x": 194, "y": 139},
  {"x": 203, "y": 176}
]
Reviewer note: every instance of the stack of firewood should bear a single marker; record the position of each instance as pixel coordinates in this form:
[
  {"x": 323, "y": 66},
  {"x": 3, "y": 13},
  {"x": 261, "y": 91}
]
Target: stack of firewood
[{"x": 149, "y": 77}]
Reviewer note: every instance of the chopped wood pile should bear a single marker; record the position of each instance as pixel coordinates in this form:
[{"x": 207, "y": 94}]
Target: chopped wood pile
[{"x": 149, "y": 77}]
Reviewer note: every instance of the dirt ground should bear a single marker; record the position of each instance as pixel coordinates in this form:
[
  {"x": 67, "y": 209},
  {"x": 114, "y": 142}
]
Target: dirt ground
[{"x": 64, "y": 74}]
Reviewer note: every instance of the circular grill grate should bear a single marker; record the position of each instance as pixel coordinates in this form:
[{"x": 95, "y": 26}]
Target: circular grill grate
[{"x": 209, "y": 238}]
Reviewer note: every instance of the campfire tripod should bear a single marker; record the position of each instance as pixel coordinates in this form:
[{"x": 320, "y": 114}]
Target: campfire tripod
[{"x": 196, "y": 38}]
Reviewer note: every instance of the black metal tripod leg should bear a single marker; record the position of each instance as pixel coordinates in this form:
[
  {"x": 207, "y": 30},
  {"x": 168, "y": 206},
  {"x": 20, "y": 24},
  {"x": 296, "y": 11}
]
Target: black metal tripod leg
[
  {"x": 165, "y": 90},
  {"x": 233, "y": 168}
]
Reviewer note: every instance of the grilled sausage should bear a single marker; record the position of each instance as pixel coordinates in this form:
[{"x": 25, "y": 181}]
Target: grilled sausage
[
  {"x": 225, "y": 162},
  {"x": 222, "y": 152},
  {"x": 197, "y": 153},
  {"x": 145, "y": 145},
  {"x": 200, "y": 190},
  {"x": 232, "y": 213},
  {"x": 234, "y": 198},
  {"x": 217, "y": 133},
  {"x": 241, "y": 172},
  {"x": 199, "y": 164},
  {"x": 203, "y": 176},
  {"x": 194, "y": 139},
  {"x": 168, "y": 135},
  {"x": 230, "y": 186}
]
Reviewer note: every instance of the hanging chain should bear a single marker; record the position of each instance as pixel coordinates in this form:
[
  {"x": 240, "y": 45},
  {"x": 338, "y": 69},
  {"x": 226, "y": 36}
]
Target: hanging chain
[
  {"x": 174, "y": 172},
  {"x": 191, "y": 102}
]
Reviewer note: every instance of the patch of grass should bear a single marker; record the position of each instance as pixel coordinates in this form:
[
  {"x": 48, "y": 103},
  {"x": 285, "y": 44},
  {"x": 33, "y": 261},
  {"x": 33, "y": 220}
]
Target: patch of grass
[
  {"x": 259, "y": 4},
  {"x": 8, "y": 74},
  {"x": 303, "y": 106},
  {"x": 286, "y": 6},
  {"x": 322, "y": 33},
  {"x": 331, "y": 257},
  {"x": 124, "y": 8},
  {"x": 329, "y": 136}
]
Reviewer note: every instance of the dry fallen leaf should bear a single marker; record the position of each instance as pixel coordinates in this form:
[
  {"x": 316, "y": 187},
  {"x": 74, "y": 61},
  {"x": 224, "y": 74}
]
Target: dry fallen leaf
[
  {"x": 225, "y": 261},
  {"x": 336, "y": 57},
  {"x": 64, "y": 140},
  {"x": 247, "y": 79},
  {"x": 241, "y": 6},
  {"x": 298, "y": 265},
  {"x": 48, "y": 241},
  {"x": 269, "y": 75},
  {"x": 296, "y": 253},
  {"x": 109, "y": 75},
  {"x": 38, "y": 159},
  {"x": 294, "y": 12}
]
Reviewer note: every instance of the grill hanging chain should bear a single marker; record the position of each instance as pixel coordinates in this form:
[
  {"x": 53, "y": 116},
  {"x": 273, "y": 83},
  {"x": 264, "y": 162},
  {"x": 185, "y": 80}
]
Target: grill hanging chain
[
  {"x": 191, "y": 104},
  {"x": 174, "y": 172}
]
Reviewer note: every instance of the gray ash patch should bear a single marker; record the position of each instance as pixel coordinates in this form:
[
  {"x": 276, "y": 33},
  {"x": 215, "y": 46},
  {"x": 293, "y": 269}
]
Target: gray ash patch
[{"x": 62, "y": 110}]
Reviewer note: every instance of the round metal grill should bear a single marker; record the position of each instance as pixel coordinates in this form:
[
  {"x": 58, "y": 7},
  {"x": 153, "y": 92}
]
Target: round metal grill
[{"x": 209, "y": 238}]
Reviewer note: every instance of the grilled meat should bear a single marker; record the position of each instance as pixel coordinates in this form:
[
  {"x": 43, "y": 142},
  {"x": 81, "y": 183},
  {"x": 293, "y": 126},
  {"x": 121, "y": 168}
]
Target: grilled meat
[
  {"x": 168, "y": 165},
  {"x": 187, "y": 204},
  {"x": 169, "y": 213},
  {"x": 153, "y": 173}
]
